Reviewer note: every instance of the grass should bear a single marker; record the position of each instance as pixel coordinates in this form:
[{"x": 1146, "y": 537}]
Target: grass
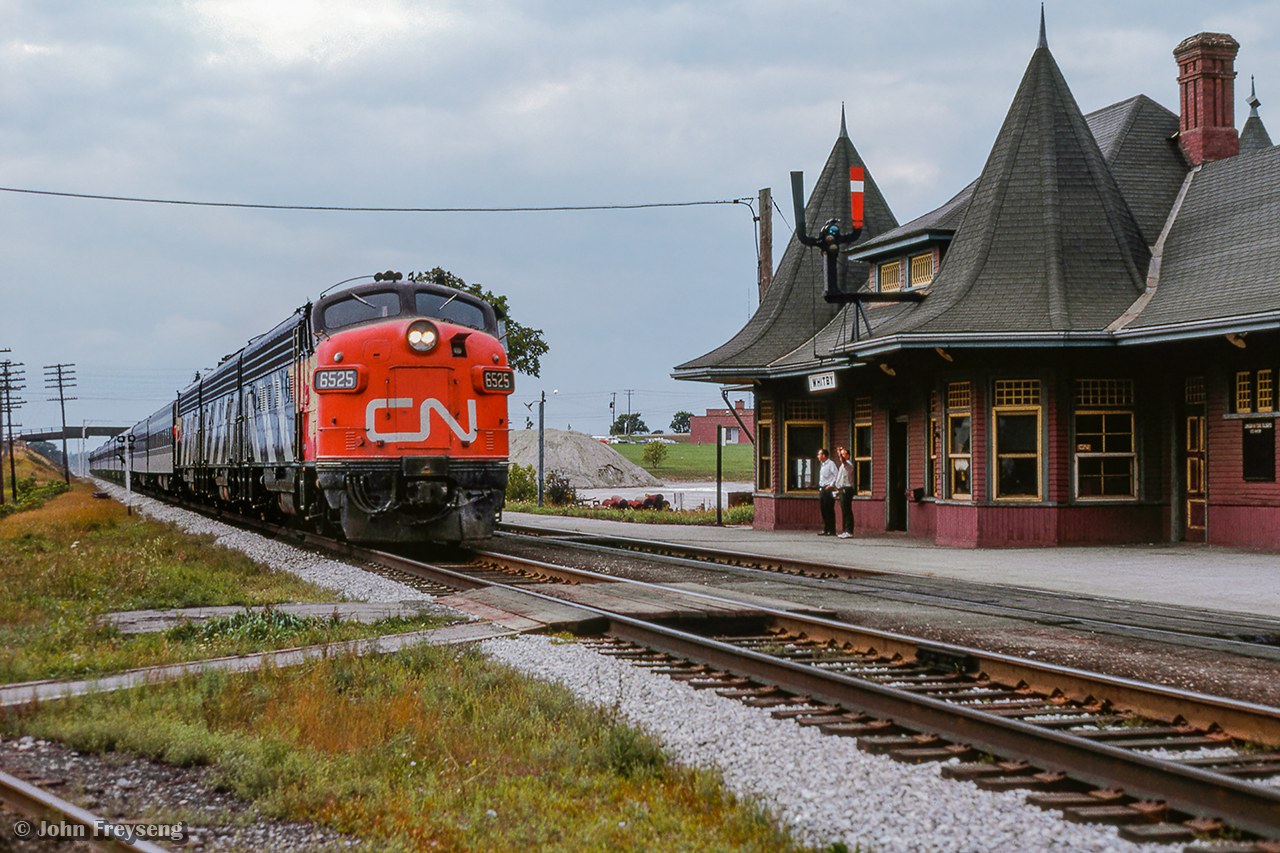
[
  {"x": 697, "y": 461},
  {"x": 29, "y": 464},
  {"x": 66, "y": 564},
  {"x": 431, "y": 749},
  {"x": 32, "y": 481}
]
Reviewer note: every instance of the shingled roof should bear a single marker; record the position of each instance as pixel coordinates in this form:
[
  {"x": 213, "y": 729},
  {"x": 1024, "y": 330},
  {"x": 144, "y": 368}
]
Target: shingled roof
[
  {"x": 1136, "y": 137},
  {"x": 1052, "y": 243},
  {"x": 1048, "y": 242},
  {"x": 792, "y": 309},
  {"x": 1221, "y": 262}
]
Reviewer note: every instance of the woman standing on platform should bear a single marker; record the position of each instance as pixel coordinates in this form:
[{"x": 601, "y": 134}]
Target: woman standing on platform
[{"x": 844, "y": 487}]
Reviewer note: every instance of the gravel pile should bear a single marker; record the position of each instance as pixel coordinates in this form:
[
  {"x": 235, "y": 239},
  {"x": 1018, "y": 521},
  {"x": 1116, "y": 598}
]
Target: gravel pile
[
  {"x": 823, "y": 787},
  {"x": 348, "y": 581},
  {"x": 587, "y": 462}
]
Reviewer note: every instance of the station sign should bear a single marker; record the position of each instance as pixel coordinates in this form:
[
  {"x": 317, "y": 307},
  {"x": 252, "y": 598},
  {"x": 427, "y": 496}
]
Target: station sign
[{"x": 822, "y": 381}]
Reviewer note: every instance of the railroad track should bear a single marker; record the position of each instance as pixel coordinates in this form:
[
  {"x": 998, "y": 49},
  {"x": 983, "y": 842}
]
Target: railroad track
[
  {"x": 1167, "y": 763},
  {"x": 1098, "y": 747},
  {"x": 72, "y": 821},
  {"x": 1229, "y": 633}
]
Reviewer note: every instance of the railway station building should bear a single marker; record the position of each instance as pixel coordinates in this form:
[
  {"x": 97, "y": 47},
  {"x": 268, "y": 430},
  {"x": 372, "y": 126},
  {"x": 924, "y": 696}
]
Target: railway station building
[{"x": 1087, "y": 346}]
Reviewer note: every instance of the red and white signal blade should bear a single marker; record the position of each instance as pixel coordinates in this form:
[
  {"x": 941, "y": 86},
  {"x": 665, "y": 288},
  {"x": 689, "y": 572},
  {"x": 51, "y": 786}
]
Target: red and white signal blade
[{"x": 855, "y": 195}]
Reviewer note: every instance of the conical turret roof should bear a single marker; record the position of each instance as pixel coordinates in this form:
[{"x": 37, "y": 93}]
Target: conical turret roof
[
  {"x": 1047, "y": 242},
  {"x": 1254, "y": 136},
  {"x": 792, "y": 309}
]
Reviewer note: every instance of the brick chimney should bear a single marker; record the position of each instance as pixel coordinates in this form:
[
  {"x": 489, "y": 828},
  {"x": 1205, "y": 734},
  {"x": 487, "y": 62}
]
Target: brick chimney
[{"x": 1206, "y": 80}]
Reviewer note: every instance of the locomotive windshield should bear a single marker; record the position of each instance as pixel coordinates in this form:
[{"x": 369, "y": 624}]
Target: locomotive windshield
[
  {"x": 361, "y": 308},
  {"x": 452, "y": 308}
]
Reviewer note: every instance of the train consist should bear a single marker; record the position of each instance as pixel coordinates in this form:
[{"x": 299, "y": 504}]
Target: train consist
[{"x": 380, "y": 409}]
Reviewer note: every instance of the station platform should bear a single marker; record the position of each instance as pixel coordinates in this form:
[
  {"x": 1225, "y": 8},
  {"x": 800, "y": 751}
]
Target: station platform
[{"x": 1183, "y": 575}]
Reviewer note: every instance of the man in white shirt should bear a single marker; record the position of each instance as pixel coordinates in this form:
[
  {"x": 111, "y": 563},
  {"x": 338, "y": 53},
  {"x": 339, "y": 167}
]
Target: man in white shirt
[{"x": 827, "y": 492}]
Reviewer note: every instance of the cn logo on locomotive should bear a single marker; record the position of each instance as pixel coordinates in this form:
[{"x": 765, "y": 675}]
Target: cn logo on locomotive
[{"x": 428, "y": 406}]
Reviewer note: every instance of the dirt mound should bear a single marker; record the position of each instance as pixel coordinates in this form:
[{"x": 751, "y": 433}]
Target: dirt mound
[{"x": 587, "y": 462}]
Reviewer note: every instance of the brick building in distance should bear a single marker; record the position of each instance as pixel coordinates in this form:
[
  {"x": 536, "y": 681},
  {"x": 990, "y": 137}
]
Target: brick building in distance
[
  {"x": 702, "y": 428},
  {"x": 1091, "y": 345}
]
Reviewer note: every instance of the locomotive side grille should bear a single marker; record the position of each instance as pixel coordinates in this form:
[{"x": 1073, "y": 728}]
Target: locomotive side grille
[{"x": 353, "y": 438}]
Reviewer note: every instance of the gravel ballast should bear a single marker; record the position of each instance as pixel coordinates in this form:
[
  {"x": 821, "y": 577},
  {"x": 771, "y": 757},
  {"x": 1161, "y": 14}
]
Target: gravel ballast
[{"x": 824, "y": 788}]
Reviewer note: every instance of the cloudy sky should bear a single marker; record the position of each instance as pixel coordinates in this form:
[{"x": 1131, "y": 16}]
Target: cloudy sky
[{"x": 501, "y": 104}]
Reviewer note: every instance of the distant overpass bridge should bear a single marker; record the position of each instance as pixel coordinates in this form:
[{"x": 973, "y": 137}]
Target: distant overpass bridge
[{"x": 55, "y": 433}]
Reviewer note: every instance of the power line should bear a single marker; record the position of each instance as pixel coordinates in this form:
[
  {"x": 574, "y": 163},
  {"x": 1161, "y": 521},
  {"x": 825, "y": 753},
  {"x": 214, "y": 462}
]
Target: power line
[{"x": 245, "y": 205}]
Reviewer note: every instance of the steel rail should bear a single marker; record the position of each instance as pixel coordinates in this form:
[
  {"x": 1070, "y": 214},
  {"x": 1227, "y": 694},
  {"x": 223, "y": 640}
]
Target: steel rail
[
  {"x": 695, "y": 556},
  {"x": 87, "y": 827},
  {"x": 1242, "y": 720},
  {"x": 1255, "y": 808}
]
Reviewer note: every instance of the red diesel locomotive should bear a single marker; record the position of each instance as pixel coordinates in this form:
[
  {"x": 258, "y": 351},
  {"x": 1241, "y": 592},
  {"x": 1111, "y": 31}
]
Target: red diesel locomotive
[{"x": 380, "y": 410}]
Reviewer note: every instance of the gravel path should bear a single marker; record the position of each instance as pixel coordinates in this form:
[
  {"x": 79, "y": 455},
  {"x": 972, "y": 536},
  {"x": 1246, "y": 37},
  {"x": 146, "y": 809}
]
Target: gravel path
[{"x": 824, "y": 788}]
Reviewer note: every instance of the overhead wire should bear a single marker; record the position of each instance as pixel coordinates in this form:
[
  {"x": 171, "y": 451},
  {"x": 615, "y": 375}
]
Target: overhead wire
[{"x": 316, "y": 207}]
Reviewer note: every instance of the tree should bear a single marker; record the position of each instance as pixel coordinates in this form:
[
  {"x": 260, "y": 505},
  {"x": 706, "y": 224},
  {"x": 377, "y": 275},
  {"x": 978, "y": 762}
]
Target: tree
[
  {"x": 681, "y": 422},
  {"x": 628, "y": 425},
  {"x": 525, "y": 346},
  {"x": 655, "y": 453}
]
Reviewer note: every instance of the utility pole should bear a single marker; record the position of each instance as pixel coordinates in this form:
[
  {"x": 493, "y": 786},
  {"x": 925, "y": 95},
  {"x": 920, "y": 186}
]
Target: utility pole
[
  {"x": 64, "y": 376},
  {"x": 629, "y": 392},
  {"x": 542, "y": 408},
  {"x": 613, "y": 413},
  {"x": 766, "y": 241},
  {"x": 2, "y": 387},
  {"x": 12, "y": 381}
]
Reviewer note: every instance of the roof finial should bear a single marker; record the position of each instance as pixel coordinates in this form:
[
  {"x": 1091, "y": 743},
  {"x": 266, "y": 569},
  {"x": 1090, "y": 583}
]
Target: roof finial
[
  {"x": 1253, "y": 101},
  {"x": 844, "y": 129},
  {"x": 1044, "y": 41}
]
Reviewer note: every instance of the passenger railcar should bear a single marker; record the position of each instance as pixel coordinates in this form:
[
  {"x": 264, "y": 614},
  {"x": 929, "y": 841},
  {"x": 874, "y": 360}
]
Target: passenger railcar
[{"x": 381, "y": 410}]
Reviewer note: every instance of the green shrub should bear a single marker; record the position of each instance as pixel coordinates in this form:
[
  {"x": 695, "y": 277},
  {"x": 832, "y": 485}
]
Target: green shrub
[
  {"x": 655, "y": 453},
  {"x": 522, "y": 484},
  {"x": 33, "y": 496},
  {"x": 558, "y": 491}
]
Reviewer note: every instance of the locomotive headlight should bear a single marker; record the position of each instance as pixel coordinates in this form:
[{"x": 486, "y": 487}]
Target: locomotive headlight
[{"x": 423, "y": 336}]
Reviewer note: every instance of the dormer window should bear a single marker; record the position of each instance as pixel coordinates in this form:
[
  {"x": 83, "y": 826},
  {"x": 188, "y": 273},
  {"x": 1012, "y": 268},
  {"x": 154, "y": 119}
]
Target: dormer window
[
  {"x": 890, "y": 276},
  {"x": 922, "y": 270}
]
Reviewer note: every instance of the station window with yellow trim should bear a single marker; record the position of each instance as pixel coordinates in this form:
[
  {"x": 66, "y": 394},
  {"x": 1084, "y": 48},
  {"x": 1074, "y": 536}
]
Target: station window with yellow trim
[
  {"x": 764, "y": 446},
  {"x": 1106, "y": 457},
  {"x": 931, "y": 440},
  {"x": 804, "y": 434},
  {"x": 921, "y": 270},
  {"x": 1015, "y": 412},
  {"x": 959, "y": 440},
  {"x": 1254, "y": 392},
  {"x": 862, "y": 445},
  {"x": 889, "y": 276}
]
